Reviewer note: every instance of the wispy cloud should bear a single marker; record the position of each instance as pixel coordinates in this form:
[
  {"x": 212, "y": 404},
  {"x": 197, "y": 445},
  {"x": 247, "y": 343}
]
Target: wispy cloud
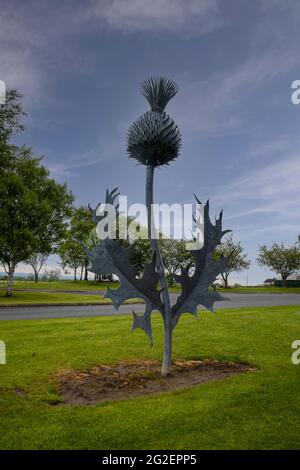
[
  {"x": 70, "y": 167},
  {"x": 18, "y": 67},
  {"x": 270, "y": 189},
  {"x": 199, "y": 16},
  {"x": 279, "y": 145},
  {"x": 213, "y": 106}
]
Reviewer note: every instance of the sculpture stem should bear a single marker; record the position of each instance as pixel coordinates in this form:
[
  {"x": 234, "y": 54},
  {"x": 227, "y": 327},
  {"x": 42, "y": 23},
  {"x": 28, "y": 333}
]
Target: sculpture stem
[{"x": 166, "y": 365}]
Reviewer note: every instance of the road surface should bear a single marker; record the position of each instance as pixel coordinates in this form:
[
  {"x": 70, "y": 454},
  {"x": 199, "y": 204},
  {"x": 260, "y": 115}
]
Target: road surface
[{"x": 235, "y": 301}]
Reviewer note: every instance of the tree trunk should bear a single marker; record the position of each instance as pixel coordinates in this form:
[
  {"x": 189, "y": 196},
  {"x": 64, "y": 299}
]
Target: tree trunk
[
  {"x": 81, "y": 273},
  {"x": 36, "y": 276},
  {"x": 225, "y": 279},
  {"x": 167, "y": 358},
  {"x": 86, "y": 275},
  {"x": 10, "y": 280},
  {"x": 75, "y": 274},
  {"x": 284, "y": 278}
]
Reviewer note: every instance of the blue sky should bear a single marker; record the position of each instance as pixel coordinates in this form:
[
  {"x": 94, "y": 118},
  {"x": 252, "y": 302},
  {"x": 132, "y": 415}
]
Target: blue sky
[{"x": 79, "y": 65}]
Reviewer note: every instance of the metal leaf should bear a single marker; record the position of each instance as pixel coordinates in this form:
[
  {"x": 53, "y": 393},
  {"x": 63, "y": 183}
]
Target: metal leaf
[
  {"x": 112, "y": 257},
  {"x": 195, "y": 288},
  {"x": 144, "y": 322}
]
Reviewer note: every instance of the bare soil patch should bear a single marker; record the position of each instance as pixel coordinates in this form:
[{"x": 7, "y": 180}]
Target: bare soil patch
[{"x": 132, "y": 379}]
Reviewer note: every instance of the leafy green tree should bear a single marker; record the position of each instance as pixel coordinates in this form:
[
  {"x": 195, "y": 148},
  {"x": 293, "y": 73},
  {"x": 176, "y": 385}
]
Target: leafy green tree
[
  {"x": 236, "y": 258},
  {"x": 71, "y": 254},
  {"x": 33, "y": 210},
  {"x": 280, "y": 259},
  {"x": 141, "y": 254},
  {"x": 174, "y": 255},
  {"x": 51, "y": 275},
  {"x": 80, "y": 231},
  {"x": 33, "y": 207},
  {"x": 78, "y": 235},
  {"x": 11, "y": 116},
  {"x": 37, "y": 261}
]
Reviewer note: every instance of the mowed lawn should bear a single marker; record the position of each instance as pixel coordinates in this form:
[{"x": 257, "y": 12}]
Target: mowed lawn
[
  {"x": 256, "y": 410},
  {"x": 53, "y": 298},
  {"x": 90, "y": 286},
  {"x": 61, "y": 285},
  {"x": 48, "y": 298}
]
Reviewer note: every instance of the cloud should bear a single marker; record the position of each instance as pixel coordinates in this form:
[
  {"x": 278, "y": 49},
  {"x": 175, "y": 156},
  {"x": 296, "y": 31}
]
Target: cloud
[
  {"x": 274, "y": 147},
  {"x": 68, "y": 169},
  {"x": 214, "y": 105},
  {"x": 201, "y": 16},
  {"x": 34, "y": 41},
  {"x": 273, "y": 189},
  {"x": 18, "y": 67}
]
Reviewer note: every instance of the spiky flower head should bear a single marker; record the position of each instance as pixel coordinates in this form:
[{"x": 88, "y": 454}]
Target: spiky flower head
[
  {"x": 158, "y": 91},
  {"x": 154, "y": 138}
]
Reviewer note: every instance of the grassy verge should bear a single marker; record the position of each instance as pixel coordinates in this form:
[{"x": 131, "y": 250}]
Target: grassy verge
[
  {"x": 53, "y": 298},
  {"x": 62, "y": 285},
  {"x": 89, "y": 285},
  {"x": 257, "y": 410},
  {"x": 262, "y": 290}
]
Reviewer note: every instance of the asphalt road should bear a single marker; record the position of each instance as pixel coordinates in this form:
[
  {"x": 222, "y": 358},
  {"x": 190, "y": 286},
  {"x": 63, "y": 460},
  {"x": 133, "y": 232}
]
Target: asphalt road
[{"x": 235, "y": 301}]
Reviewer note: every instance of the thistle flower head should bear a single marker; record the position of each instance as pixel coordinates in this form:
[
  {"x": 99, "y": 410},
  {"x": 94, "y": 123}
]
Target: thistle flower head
[
  {"x": 154, "y": 139},
  {"x": 158, "y": 91}
]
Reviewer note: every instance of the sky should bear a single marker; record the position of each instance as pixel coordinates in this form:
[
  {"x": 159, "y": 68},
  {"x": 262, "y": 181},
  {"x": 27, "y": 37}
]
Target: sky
[{"x": 79, "y": 66}]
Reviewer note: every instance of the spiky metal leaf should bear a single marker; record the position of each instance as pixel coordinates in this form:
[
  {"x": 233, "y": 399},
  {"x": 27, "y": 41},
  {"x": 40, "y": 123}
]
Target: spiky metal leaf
[
  {"x": 144, "y": 322},
  {"x": 154, "y": 139},
  {"x": 195, "y": 288},
  {"x": 110, "y": 198},
  {"x": 158, "y": 91},
  {"x": 111, "y": 257}
]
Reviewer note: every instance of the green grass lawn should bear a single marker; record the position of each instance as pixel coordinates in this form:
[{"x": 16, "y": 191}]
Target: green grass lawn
[
  {"x": 50, "y": 298},
  {"x": 262, "y": 290},
  {"x": 256, "y": 410},
  {"x": 89, "y": 285},
  {"x": 61, "y": 285}
]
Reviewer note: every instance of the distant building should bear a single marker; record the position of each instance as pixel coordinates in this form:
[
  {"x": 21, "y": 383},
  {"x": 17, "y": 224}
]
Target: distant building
[
  {"x": 218, "y": 283},
  {"x": 270, "y": 282},
  {"x": 295, "y": 277}
]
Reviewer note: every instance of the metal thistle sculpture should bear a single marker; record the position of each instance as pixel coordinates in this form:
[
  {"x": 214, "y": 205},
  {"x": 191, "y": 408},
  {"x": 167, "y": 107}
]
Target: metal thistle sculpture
[{"x": 154, "y": 140}]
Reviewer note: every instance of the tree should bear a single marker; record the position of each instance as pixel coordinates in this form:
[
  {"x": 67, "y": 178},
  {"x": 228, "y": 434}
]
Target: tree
[
  {"x": 236, "y": 258},
  {"x": 33, "y": 210},
  {"x": 78, "y": 235},
  {"x": 174, "y": 255},
  {"x": 80, "y": 230},
  {"x": 11, "y": 115},
  {"x": 71, "y": 254},
  {"x": 37, "y": 261},
  {"x": 280, "y": 259},
  {"x": 33, "y": 207}
]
